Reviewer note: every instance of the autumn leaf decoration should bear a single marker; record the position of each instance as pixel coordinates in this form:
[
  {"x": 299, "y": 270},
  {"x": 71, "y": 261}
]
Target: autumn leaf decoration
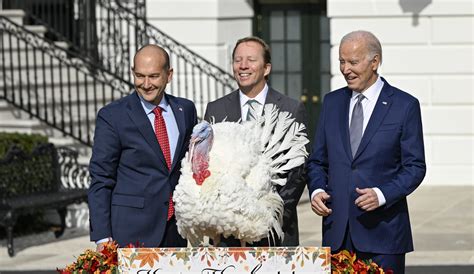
[
  {"x": 147, "y": 258},
  {"x": 237, "y": 254},
  {"x": 347, "y": 262},
  {"x": 103, "y": 262}
]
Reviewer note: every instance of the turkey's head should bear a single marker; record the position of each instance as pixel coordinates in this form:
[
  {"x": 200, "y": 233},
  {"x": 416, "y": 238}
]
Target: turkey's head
[{"x": 199, "y": 147}]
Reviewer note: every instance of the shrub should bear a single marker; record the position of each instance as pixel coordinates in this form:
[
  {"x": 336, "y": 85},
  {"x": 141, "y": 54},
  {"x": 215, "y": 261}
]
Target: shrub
[{"x": 26, "y": 142}]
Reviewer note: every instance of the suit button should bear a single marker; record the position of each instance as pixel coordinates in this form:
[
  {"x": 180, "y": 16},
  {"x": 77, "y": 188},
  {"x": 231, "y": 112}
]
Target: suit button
[{"x": 167, "y": 203}]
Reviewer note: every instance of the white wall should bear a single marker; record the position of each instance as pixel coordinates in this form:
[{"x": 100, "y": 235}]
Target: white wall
[
  {"x": 208, "y": 27},
  {"x": 428, "y": 51}
]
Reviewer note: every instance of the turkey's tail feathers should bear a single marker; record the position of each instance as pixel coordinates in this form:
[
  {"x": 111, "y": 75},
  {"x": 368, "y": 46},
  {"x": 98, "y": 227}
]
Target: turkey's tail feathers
[
  {"x": 277, "y": 221},
  {"x": 283, "y": 142}
]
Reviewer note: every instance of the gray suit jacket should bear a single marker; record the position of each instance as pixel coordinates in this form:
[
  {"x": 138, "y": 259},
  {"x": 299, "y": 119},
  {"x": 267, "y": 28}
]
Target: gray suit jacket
[{"x": 228, "y": 107}]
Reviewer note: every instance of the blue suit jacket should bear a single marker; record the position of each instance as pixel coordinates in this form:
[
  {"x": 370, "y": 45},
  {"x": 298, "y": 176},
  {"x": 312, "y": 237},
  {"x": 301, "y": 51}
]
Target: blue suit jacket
[
  {"x": 390, "y": 157},
  {"x": 131, "y": 184}
]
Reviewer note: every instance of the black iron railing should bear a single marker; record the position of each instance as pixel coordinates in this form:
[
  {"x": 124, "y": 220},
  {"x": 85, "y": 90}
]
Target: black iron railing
[
  {"x": 64, "y": 84},
  {"x": 53, "y": 84},
  {"x": 121, "y": 31},
  {"x": 109, "y": 32}
]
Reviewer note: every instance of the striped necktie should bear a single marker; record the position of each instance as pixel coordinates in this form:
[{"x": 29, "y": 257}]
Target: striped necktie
[{"x": 252, "y": 112}]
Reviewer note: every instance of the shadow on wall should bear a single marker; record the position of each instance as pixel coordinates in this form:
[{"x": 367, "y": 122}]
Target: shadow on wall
[{"x": 415, "y": 7}]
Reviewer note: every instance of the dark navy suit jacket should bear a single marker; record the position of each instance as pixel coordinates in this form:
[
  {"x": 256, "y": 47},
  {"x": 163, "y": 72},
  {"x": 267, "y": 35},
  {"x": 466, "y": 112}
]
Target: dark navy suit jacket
[
  {"x": 390, "y": 157},
  {"x": 131, "y": 184}
]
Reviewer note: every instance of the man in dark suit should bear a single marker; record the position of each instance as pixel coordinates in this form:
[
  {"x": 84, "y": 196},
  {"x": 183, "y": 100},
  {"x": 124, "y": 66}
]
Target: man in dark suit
[
  {"x": 251, "y": 67},
  {"x": 368, "y": 156},
  {"x": 138, "y": 146}
]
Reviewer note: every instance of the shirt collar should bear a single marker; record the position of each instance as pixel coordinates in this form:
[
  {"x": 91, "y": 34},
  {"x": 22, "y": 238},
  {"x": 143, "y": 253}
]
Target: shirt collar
[
  {"x": 373, "y": 92},
  {"x": 259, "y": 98},
  {"x": 149, "y": 107}
]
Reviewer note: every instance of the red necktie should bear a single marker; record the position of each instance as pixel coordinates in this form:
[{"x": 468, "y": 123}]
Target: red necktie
[{"x": 162, "y": 137}]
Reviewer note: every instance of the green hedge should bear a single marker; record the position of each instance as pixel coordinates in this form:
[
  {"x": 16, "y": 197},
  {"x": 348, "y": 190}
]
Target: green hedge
[
  {"x": 26, "y": 142},
  {"x": 33, "y": 222},
  {"x": 23, "y": 177}
]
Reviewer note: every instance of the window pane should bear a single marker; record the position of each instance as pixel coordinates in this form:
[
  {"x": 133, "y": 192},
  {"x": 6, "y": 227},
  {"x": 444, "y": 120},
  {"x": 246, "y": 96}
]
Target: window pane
[
  {"x": 277, "y": 81},
  {"x": 276, "y": 25},
  {"x": 324, "y": 52},
  {"x": 294, "y": 86},
  {"x": 294, "y": 57},
  {"x": 293, "y": 25},
  {"x": 278, "y": 56},
  {"x": 324, "y": 28}
]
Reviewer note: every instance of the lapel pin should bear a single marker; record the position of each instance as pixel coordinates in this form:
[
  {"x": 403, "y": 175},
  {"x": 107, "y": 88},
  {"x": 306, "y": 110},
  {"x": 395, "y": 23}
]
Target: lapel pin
[
  {"x": 384, "y": 102},
  {"x": 180, "y": 109}
]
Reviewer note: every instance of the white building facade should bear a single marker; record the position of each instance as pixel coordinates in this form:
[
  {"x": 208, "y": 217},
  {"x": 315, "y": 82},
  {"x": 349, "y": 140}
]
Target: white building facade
[{"x": 428, "y": 51}]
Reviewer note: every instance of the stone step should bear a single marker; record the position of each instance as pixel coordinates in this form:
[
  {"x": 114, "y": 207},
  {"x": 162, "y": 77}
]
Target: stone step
[
  {"x": 30, "y": 58},
  {"x": 10, "y": 39},
  {"x": 20, "y": 126},
  {"x": 14, "y": 15},
  {"x": 60, "y": 96},
  {"x": 53, "y": 72},
  {"x": 62, "y": 118},
  {"x": 74, "y": 90},
  {"x": 34, "y": 126}
]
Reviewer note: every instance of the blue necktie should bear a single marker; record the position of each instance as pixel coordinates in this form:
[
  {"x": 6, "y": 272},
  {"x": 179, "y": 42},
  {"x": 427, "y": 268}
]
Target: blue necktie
[{"x": 357, "y": 122}]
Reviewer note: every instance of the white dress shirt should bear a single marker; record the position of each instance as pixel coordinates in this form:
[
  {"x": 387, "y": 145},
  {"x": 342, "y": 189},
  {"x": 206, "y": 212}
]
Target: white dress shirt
[{"x": 244, "y": 107}]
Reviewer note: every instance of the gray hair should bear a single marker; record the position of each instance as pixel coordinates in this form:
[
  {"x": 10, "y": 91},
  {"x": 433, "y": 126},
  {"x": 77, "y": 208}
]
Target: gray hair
[{"x": 373, "y": 44}]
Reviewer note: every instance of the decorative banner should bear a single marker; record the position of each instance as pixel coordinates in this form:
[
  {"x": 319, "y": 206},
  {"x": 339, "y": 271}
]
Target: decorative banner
[{"x": 220, "y": 260}]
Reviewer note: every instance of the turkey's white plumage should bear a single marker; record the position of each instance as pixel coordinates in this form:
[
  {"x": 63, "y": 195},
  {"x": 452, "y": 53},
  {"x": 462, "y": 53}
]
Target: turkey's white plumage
[{"x": 246, "y": 161}]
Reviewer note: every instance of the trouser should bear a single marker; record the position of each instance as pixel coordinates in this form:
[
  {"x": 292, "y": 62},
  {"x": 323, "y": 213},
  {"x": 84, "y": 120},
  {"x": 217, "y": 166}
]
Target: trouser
[
  {"x": 395, "y": 262},
  {"x": 172, "y": 237}
]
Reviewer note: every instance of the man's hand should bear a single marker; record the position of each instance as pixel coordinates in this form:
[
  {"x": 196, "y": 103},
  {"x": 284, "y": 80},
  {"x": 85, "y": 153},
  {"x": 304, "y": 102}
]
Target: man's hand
[
  {"x": 318, "y": 204},
  {"x": 367, "y": 200},
  {"x": 100, "y": 246}
]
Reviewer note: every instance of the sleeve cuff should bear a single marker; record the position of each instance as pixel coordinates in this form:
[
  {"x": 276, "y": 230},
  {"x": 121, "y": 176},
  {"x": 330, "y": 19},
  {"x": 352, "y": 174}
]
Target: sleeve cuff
[
  {"x": 101, "y": 241},
  {"x": 380, "y": 196},
  {"x": 316, "y": 192}
]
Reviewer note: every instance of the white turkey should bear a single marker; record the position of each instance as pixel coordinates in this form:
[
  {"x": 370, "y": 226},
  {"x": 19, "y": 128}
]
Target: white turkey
[{"x": 227, "y": 185}]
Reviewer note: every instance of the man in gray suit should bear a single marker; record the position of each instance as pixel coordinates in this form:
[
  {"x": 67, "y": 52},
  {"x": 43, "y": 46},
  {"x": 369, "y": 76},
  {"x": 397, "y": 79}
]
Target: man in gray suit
[{"x": 251, "y": 66}]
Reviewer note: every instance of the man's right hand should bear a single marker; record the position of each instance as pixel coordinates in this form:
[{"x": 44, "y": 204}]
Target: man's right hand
[
  {"x": 100, "y": 247},
  {"x": 318, "y": 204},
  {"x": 101, "y": 244}
]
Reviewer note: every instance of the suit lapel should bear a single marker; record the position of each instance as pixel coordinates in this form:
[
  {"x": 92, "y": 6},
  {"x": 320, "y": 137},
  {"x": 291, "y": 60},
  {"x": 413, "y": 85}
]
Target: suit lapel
[
  {"x": 344, "y": 123},
  {"x": 381, "y": 109},
  {"x": 273, "y": 97},
  {"x": 139, "y": 117},
  {"x": 232, "y": 106},
  {"x": 178, "y": 112}
]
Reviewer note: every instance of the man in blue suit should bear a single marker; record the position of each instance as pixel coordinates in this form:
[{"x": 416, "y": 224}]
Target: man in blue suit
[
  {"x": 138, "y": 146},
  {"x": 368, "y": 156}
]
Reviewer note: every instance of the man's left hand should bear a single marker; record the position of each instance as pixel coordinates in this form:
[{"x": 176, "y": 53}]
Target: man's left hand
[{"x": 367, "y": 200}]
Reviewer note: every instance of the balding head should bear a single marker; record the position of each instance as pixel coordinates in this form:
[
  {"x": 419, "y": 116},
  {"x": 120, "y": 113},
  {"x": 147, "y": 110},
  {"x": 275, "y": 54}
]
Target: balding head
[
  {"x": 151, "y": 50},
  {"x": 152, "y": 72},
  {"x": 371, "y": 42}
]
